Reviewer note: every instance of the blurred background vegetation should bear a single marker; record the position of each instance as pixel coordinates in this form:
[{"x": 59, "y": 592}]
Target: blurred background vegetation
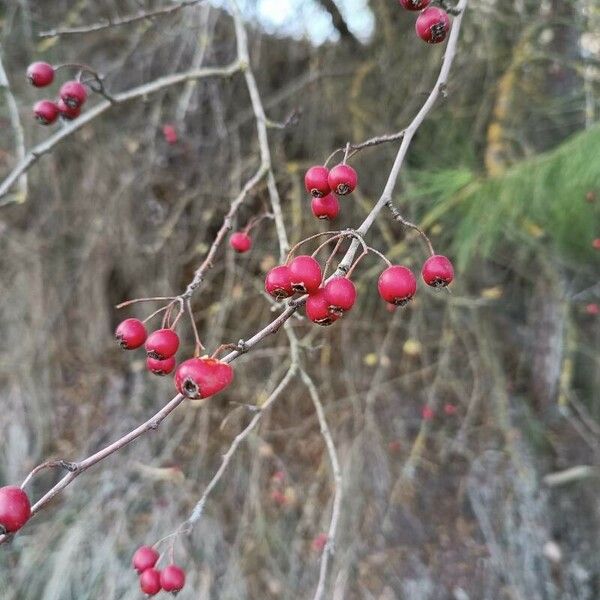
[{"x": 485, "y": 499}]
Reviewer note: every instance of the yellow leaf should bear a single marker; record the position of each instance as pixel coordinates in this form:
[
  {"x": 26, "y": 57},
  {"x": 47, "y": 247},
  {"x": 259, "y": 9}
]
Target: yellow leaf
[
  {"x": 412, "y": 347},
  {"x": 492, "y": 293},
  {"x": 371, "y": 359}
]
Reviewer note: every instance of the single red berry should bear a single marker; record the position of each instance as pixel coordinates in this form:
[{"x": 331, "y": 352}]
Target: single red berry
[
  {"x": 414, "y": 4},
  {"x": 131, "y": 334},
  {"x": 305, "y": 274},
  {"x": 427, "y": 413},
  {"x": 437, "y": 271},
  {"x": 40, "y": 74},
  {"x": 73, "y": 93},
  {"x": 150, "y": 582},
  {"x": 432, "y": 25},
  {"x": 160, "y": 367},
  {"x": 45, "y": 111},
  {"x": 66, "y": 112},
  {"x": 343, "y": 179},
  {"x": 596, "y": 244},
  {"x": 317, "y": 309},
  {"x": 319, "y": 542},
  {"x": 278, "y": 284},
  {"x": 397, "y": 285},
  {"x": 450, "y": 409},
  {"x": 340, "y": 293},
  {"x": 241, "y": 242},
  {"x": 326, "y": 207},
  {"x": 172, "y": 579},
  {"x": 278, "y": 476},
  {"x": 279, "y": 498},
  {"x": 202, "y": 377},
  {"x": 15, "y": 508},
  {"x": 145, "y": 557},
  {"x": 316, "y": 181},
  {"x": 592, "y": 309},
  {"x": 170, "y": 134},
  {"x": 162, "y": 344}
]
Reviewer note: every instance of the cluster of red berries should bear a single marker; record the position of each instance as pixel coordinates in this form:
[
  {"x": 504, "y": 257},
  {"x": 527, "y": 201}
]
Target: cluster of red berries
[
  {"x": 72, "y": 95},
  {"x": 170, "y": 579},
  {"x": 433, "y": 23},
  {"x": 194, "y": 378},
  {"x": 323, "y": 185},
  {"x": 15, "y": 509}
]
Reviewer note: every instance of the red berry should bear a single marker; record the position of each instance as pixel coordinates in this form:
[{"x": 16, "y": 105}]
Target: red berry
[
  {"x": 592, "y": 309},
  {"x": 305, "y": 274},
  {"x": 162, "y": 344},
  {"x": 437, "y": 271},
  {"x": 319, "y": 542},
  {"x": 240, "y": 242},
  {"x": 432, "y": 25},
  {"x": 15, "y": 508},
  {"x": 450, "y": 409},
  {"x": 150, "y": 582},
  {"x": 596, "y": 244},
  {"x": 66, "y": 112},
  {"x": 45, "y": 111},
  {"x": 343, "y": 179},
  {"x": 73, "y": 94},
  {"x": 278, "y": 284},
  {"x": 326, "y": 207},
  {"x": 144, "y": 558},
  {"x": 40, "y": 74},
  {"x": 316, "y": 181},
  {"x": 340, "y": 294},
  {"x": 427, "y": 413},
  {"x": 170, "y": 134},
  {"x": 131, "y": 334},
  {"x": 160, "y": 367},
  {"x": 202, "y": 377},
  {"x": 317, "y": 309},
  {"x": 397, "y": 285},
  {"x": 172, "y": 579},
  {"x": 415, "y": 4}
]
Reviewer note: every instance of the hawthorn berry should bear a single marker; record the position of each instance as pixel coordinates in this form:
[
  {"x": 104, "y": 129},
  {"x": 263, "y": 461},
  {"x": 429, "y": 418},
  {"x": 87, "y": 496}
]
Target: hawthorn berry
[
  {"x": 592, "y": 309},
  {"x": 317, "y": 309},
  {"x": 170, "y": 134},
  {"x": 432, "y": 25},
  {"x": 150, "y": 582},
  {"x": 73, "y": 94},
  {"x": 162, "y": 344},
  {"x": 15, "y": 508},
  {"x": 343, "y": 179},
  {"x": 145, "y": 557},
  {"x": 131, "y": 334},
  {"x": 326, "y": 207},
  {"x": 414, "y": 4},
  {"x": 66, "y": 112},
  {"x": 437, "y": 271},
  {"x": 319, "y": 542},
  {"x": 240, "y": 242},
  {"x": 45, "y": 111},
  {"x": 40, "y": 74},
  {"x": 160, "y": 367},
  {"x": 596, "y": 244},
  {"x": 198, "y": 378},
  {"x": 397, "y": 285},
  {"x": 305, "y": 274},
  {"x": 172, "y": 579},
  {"x": 340, "y": 293},
  {"x": 278, "y": 283},
  {"x": 427, "y": 413},
  {"x": 316, "y": 181}
]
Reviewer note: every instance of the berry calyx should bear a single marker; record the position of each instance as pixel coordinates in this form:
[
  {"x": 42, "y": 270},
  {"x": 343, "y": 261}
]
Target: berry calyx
[
  {"x": 316, "y": 181},
  {"x": 45, "y": 111},
  {"x": 414, "y": 4},
  {"x": 73, "y": 94},
  {"x": 172, "y": 579},
  {"x": 198, "y": 378},
  {"x": 40, "y": 74},
  {"x": 150, "y": 582},
  {"x": 326, "y": 207},
  {"x": 15, "y": 508},
  {"x": 343, "y": 179},
  {"x": 432, "y": 25},
  {"x": 66, "y": 112},
  {"x": 145, "y": 557},
  {"x": 340, "y": 293},
  {"x": 131, "y": 334},
  {"x": 278, "y": 284},
  {"x": 317, "y": 309},
  {"x": 162, "y": 344},
  {"x": 160, "y": 367},
  {"x": 437, "y": 271},
  {"x": 305, "y": 274},
  {"x": 241, "y": 242},
  {"x": 397, "y": 285}
]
